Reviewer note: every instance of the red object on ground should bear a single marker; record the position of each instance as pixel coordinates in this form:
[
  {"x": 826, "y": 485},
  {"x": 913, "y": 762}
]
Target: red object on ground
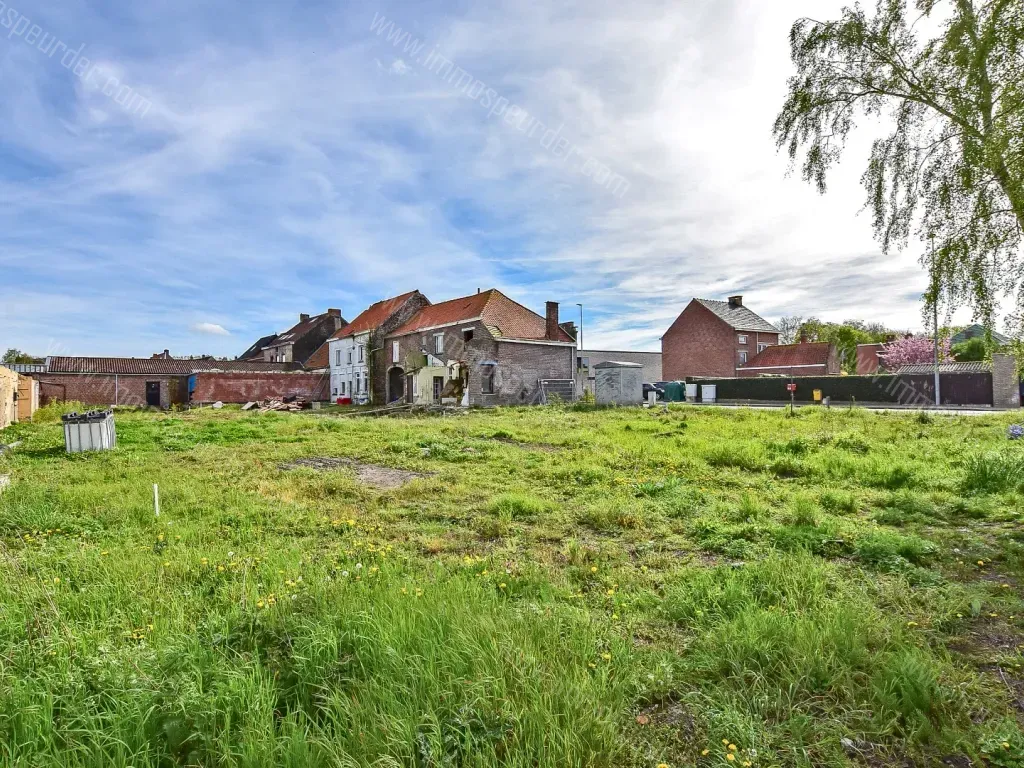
[{"x": 791, "y": 387}]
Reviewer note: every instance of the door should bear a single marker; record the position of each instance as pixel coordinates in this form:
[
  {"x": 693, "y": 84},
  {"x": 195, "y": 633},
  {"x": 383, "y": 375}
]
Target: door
[
  {"x": 396, "y": 378},
  {"x": 438, "y": 387},
  {"x": 153, "y": 393}
]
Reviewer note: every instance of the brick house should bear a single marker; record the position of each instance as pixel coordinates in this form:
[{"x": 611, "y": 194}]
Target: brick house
[
  {"x": 804, "y": 359},
  {"x": 714, "y": 338},
  {"x": 357, "y": 356},
  {"x": 483, "y": 349},
  {"x": 302, "y": 340}
]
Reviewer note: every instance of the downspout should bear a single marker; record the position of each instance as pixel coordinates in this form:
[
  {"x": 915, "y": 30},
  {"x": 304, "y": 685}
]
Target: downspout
[{"x": 116, "y": 391}]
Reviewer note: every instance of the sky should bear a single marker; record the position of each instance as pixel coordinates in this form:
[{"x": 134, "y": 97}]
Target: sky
[{"x": 193, "y": 175}]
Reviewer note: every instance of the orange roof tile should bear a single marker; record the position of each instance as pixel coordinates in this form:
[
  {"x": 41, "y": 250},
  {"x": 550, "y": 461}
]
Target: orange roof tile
[
  {"x": 791, "y": 355},
  {"x": 504, "y": 317}
]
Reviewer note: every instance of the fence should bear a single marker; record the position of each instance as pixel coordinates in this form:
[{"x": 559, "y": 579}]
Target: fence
[{"x": 914, "y": 390}]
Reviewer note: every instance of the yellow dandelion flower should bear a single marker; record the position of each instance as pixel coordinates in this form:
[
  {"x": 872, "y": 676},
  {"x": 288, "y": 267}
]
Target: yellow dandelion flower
[
  {"x": 615, "y": 617},
  {"x": 56, "y": 579},
  {"x": 732, "y": 747},
  {"x": 746, "y": 764},
  {"x": 593, "y": 569},
  {"x": 705, "y": 752},
  {"x": 502, "y": 585},
  {"x": 592, "y": 665},
  {"x": 104, "y": 553},
  {"x": 606, "y": 656},
  {"x": 220, "y": 569},
  {"x": 981, "y": 562},
  {"x": 611, "y": 592},
  {"x": 725, "y": 741},
  {"x": 662, "y": 765},
  {"x": 259, "y": 604},
  {"x": 730, "y": 757},
  {"x": 167, "y": 563},
  {"x": 911, "y": 623},
  {"x": 1006, "y": 745}
]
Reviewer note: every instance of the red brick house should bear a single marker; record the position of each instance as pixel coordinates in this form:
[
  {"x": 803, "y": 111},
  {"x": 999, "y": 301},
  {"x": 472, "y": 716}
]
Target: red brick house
[
  {"x": 868, "y": 360},
  {"x": 806, "y": 359},
  {"x": 483, "y": 349},
  {"x": 714, "y": 338}
]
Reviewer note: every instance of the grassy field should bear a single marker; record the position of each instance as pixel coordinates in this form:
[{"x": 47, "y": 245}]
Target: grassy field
[{"x": 551, "y": 587}]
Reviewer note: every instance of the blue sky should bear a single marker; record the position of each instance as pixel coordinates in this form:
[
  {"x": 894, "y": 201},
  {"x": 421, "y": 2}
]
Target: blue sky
[{"x": 268, "y": 159}]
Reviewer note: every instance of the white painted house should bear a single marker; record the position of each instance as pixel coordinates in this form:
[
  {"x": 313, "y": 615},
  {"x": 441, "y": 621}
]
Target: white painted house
[
  {"x": 358, "y": 360},
  {"x": 350, "y": 369}
]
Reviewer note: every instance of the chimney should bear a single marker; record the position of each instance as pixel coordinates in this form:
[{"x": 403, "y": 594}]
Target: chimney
[
  {"x": 735, "y": 302},
  {"x": 803, "y": 337},
  {"x": 551, "y": 328},
  {"x": 303, "y": 317},
  {"x": 334, "y": 312}
]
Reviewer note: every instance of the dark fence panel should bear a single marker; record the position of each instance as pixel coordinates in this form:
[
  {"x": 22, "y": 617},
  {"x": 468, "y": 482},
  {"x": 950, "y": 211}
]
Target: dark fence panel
[{"x": 918, "y": 389}]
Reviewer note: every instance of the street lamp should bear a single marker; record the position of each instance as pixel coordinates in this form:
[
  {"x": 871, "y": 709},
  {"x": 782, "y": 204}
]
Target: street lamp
[
  {"x": 581, "y": 327},
  {"x": 935, "y": 308}
]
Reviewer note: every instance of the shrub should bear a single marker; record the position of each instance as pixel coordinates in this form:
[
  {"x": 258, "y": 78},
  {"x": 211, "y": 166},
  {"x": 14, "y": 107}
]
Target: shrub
[{"x": 51, "y": 412}]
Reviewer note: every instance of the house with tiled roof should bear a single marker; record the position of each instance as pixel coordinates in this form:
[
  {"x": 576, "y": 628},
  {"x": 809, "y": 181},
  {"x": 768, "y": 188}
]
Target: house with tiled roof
[
  {"x": 804, "y": 359},
  {"x": 714, "y": 338},
  {"x": 298, "y": 343},
  {"x": 482, "y": 349},
  {"x": 357, "y": 358}
]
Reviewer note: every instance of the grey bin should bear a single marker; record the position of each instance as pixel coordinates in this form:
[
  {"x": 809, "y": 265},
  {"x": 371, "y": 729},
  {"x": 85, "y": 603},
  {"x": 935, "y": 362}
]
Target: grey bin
[{"x": 89, "y": 431}]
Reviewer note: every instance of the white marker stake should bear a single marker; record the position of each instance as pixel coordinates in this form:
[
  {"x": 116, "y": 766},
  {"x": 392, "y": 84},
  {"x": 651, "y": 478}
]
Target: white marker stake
[{"x": 156, "y": 499}]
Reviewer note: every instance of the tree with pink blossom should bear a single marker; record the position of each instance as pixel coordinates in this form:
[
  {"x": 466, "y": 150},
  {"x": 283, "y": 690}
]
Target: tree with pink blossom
[{"x": 912, "y": 350}]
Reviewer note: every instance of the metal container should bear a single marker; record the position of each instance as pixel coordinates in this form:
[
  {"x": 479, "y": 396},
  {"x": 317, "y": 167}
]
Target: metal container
[
  {"x": 691, "y": 393},
  {"x": 708, "y": 393},
  {"x": 90, "y": 431}
]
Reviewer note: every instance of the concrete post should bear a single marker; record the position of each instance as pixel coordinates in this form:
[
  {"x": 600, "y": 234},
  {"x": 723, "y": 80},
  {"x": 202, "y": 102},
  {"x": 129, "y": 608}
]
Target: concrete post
[{"x": 1005, "y": 384}]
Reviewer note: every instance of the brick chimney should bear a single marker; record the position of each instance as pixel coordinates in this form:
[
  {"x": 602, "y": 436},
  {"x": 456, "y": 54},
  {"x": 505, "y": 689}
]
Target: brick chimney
[
  {"x": 735, "y": 302},
  {"x": 334, "y": 312},
  {"x": 551, "y": 316},
  {"x": 303, "y": 317}
]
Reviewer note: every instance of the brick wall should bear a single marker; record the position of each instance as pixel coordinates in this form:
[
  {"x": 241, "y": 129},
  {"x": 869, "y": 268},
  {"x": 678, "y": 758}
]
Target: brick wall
[
  {"x": 520, "y": 368},
  {"x": 699, "y": 343},
  {"x": 868, "y": 361},
  {"x": 246, "y": 387},
  {"x": 1005, "y": 384},
  {"x": 107, "y": 389},
  {"x": 380, "y": 349}
]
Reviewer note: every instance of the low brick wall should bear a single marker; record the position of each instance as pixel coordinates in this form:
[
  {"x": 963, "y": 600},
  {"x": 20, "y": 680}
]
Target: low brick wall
[
  {"x": 108, "y": 389},
  {"x": 247, "y": 387}
]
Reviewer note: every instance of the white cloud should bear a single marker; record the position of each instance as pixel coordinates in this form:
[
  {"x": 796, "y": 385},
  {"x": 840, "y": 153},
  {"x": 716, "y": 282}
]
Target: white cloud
[{"x": 211, "y": 329}]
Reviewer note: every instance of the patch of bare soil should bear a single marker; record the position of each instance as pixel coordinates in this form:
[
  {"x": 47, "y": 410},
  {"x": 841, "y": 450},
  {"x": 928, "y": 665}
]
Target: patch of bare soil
[{"x": 374, "y": 475}]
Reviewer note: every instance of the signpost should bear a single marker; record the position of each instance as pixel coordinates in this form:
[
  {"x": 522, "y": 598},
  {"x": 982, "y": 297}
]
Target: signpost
[{"x": 792, "y": 396}]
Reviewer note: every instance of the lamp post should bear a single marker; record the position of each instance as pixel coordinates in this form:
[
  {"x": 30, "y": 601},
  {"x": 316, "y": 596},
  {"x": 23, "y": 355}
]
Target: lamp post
[
  {"x": 935, "y": 309},
  {"x": 581, "y": 327}
]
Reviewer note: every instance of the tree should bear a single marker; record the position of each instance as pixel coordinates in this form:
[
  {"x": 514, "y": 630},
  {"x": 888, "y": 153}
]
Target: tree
[
  {"x": 912, "y": 350},
  {"x": 13, "y": 355},
  {"x": 971, "y": 350},
  {"x": 846, "y": 336},
  {"x": 789, "y": 329},
  {"x": 952, "y": 167}
]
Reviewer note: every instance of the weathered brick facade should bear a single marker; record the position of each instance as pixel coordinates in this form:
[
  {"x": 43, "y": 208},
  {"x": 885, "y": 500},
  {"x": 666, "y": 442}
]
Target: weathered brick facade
[
  {"x": 100, "y": 389},
  {"x": 247, "y": 387},
  {"x": 700, "y": 343},
  {"x": 520, "y": 365},
  {"x": 379, "y": 361}
]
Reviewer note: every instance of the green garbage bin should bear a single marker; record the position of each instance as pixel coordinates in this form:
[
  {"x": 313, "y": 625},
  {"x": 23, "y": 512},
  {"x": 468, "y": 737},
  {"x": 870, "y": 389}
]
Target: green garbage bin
[{"x": 674, "y": 391}]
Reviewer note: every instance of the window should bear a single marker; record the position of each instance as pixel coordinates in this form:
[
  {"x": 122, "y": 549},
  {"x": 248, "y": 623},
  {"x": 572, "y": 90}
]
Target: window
[
  {"x": 415, "y": 386},
  {"x": 357, "y": 389},
  {"x": 467, "y": 334},
  {"x": 350, "y": 357},
  {"x": 343, "y": 389},
  {"x": 743, "y": 356},
  {"x": 361, "y": 348},
  {"x": 761, "y": 347},
  {"x": 487, "y": 380},
  {"x": 743, "y": 339},
  {"x": 394, "y": 351},
  {"x": 438, "y": 343},
  {"x": 337, "y": 357}
]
